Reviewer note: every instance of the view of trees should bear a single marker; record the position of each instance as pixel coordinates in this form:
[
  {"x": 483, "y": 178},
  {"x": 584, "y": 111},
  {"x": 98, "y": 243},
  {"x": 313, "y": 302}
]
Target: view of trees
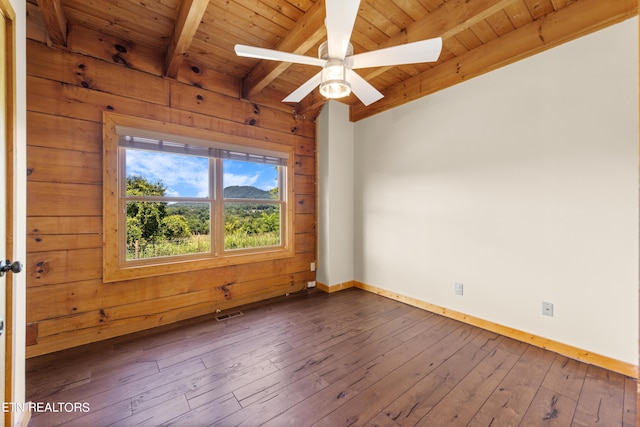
[
  {"x": 162, "y": 229},
  {"x": 251, "y": 225}
]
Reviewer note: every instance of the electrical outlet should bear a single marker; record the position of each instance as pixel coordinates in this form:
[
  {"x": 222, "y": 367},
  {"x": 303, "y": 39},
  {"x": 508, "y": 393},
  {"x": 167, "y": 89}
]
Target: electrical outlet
[
  {"x": 311, "y": 284},
  {"x": 459, "y": 288},
  {"x": 547, "y": 309},
  {"x": 313, "y": 266}
]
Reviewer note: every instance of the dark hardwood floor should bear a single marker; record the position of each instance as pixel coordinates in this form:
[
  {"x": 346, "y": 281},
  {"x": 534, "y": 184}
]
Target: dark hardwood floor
[{"x": 348, "y": 358}]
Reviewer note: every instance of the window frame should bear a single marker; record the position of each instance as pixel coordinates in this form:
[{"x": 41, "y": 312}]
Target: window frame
[{"x": 115, "y": 265}]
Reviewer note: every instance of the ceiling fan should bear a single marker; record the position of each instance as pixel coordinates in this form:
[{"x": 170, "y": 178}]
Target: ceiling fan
[{"x": 337, "y": 78}]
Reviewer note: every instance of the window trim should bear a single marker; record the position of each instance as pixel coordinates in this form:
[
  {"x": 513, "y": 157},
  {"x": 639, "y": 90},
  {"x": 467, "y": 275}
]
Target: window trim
[{"x": 115, "y": 268}]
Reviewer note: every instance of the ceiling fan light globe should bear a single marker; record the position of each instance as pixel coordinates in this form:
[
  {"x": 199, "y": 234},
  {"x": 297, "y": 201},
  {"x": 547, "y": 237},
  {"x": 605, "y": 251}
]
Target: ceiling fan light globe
[
  {"x": 334, "y": 82},
  {"x": 334, "y": 89}
]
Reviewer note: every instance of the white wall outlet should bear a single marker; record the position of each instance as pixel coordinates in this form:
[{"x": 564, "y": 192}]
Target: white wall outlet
[
  {"x": 459, "y": 288},
  {"x": 313, "y": 266},
  {"x": 311, "y": 284},
  {"x": 547, "y": 309}
]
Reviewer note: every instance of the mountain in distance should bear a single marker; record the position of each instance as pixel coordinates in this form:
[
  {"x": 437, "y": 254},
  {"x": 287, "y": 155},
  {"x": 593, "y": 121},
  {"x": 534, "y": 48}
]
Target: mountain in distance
[{"x": 245, "y": 192}]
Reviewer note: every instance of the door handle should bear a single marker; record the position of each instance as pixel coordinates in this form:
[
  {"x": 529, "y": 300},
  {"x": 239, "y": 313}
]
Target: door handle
[{"x": 6, "y": 266}]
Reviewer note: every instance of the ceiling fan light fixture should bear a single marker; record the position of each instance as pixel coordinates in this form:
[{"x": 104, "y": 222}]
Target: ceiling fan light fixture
[
  {"x": 334, "y": 82},
  {"x": 336, "y": 58}
]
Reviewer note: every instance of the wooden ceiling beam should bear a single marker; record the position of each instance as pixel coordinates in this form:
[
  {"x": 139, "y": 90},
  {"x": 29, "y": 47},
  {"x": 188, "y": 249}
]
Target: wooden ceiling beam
[
  {"x": 189, "y": 17},
  {"x": 55, "y": 20},
  {"x": 311, "y": 104},
  {"x": 449, "y": 19},
  {"x": 446, "y": 21},
  {"x": 575, "y": 20},
  {"x": 308, "y": 32}
]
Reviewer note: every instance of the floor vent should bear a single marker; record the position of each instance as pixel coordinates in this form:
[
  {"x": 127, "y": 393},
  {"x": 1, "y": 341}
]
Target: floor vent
[{"x": 228, "y": 315}]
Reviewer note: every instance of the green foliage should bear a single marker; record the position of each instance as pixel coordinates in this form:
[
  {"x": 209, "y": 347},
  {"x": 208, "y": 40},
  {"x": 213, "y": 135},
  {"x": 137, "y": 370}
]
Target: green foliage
[
  {"x": 133, "y": 230},
  {"x": 196, "y": 214},
  {"x": 239, "y": 240},
  {"x": 175, "y": 226},
  {"x": 270, "y": 222},
  {"x": 145, "y": 216},
  {"x": 251, "y": 225},
  {"x": 156, "y": 229},
  {"x": 163, "y": 247},
  {"x": 251, "y": 218},
  {"x": 139, "y": 186}
]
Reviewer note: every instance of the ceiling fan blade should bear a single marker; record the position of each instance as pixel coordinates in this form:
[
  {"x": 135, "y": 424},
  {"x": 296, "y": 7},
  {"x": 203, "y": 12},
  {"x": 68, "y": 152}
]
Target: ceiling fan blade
[
  {"x": 304, "y": 90},
  {"x": 362, "y": 88},
  {"x": 410, "y": 53},
  {"x": 341, "y": 16},
  {"x": 277, "y": 55}
]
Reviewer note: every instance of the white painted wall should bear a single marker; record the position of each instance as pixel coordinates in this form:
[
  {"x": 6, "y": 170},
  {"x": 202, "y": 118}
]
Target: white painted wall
[
  {"x": 523, "y": 185},
  {"x": 20, "y": 217},
  {"x": 335, "y": 194}
]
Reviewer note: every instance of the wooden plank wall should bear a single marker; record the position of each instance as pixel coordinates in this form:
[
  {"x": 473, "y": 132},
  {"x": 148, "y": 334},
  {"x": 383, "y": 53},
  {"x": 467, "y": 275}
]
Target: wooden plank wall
[{"x": 68, "y": 91}]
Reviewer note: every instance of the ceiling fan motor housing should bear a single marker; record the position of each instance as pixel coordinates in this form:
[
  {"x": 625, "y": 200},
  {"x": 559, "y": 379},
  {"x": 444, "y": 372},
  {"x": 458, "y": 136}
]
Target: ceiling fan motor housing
[{"x": 323, "y": 50}]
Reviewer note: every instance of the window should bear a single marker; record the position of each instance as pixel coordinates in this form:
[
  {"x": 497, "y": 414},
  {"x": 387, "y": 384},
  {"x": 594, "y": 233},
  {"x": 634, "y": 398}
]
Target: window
[{"x": 179, "y": 199}]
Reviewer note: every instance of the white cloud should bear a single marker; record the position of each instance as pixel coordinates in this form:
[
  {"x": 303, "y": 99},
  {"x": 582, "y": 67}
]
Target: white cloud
[
  {"x": 182, "y": 175},
  {"x": 233, "y": 179}
]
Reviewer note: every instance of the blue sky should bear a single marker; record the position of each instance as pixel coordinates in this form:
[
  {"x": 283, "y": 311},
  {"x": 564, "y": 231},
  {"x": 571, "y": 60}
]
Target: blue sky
[{"x": 187, "y": 176}]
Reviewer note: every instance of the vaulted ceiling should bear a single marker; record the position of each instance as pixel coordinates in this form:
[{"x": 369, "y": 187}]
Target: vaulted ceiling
[{"x": 478, "y": 36}]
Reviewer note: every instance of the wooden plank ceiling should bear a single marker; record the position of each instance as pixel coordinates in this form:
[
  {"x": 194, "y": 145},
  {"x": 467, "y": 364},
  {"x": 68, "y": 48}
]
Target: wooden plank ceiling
[{"x": 478, "y": 36}]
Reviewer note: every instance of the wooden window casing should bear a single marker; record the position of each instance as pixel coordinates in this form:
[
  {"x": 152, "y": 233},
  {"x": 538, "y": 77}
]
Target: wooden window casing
[{"x": 115, "y": 265}]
